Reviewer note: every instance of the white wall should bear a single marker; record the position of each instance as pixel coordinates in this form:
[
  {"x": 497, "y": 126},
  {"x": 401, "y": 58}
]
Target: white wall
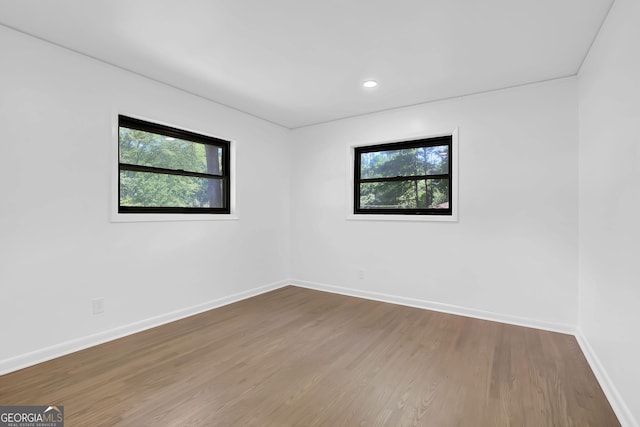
[
  {"x": 58, "y": 248},
  {"x": 513, "y": 252},
  {"x": 609, "y": 273}
]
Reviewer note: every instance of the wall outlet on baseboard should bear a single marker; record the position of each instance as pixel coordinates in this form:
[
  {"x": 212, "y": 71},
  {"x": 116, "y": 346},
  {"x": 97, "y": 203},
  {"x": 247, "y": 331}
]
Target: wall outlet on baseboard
[
  {"x": 361, "y": 274},
  {"x": 98, "y": 305}
]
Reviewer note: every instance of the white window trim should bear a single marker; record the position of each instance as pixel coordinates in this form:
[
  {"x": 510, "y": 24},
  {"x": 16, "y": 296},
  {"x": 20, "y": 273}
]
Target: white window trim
[
  {"x": 415, "y": 218},
  {"x": 161, "y": 217}
]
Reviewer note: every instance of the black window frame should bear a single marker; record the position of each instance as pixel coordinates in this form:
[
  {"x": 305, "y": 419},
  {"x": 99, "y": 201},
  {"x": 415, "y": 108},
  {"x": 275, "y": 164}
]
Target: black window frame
[
  {"x": 401, "y": 145},
  {"x": 156, "y": 128}
]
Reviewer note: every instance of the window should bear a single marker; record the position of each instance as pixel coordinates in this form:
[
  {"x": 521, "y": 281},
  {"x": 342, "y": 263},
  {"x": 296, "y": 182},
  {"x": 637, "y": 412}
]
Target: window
[
  {"x": 404, "y": 178},
  {"x": 166, "y": 170}
]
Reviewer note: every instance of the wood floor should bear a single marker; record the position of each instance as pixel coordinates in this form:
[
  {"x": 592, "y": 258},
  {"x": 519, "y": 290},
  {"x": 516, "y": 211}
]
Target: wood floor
[{"x": 297, "y": 357}]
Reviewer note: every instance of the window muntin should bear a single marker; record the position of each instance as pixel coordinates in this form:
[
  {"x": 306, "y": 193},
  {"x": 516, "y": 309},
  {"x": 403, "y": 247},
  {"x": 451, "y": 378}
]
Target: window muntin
[
  {"x": 406, "y": 178},
  {"x": 167, "y": 170}
]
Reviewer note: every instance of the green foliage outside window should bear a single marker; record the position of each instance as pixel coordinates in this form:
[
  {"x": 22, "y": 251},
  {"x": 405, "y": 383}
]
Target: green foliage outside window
[
  {"x": 139, "y": 188},
  {"x": 410, "y": 193}
]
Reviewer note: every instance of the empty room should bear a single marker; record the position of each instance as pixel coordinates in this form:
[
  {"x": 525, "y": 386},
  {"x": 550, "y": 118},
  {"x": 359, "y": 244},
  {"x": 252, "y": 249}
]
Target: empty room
[{"x": 320, "y": 213}]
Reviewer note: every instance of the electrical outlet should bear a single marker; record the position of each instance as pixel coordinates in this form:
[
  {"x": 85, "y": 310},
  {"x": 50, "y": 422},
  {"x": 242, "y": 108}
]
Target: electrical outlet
[
  {"x": 98, "y": 305},
  {"x": 361, "y": 274}
]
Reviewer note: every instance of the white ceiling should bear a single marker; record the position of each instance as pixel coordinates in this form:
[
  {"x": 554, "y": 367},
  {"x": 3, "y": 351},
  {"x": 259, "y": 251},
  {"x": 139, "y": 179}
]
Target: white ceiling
[{"x": 301, "y": 62}]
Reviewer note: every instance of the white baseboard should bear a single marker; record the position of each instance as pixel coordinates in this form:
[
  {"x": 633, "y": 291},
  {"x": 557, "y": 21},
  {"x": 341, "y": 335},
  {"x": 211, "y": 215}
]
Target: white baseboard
[
  {"x": 441, "y": 307},
  {"x": 618, "y": 405},
  {"x": 68, "y": 347}
]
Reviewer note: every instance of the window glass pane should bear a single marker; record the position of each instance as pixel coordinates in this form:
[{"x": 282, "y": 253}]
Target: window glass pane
[
  {"x": 138, "y": 147},
  {"x": 417, "y": 194},
  {"x": 405, "y": 162},
  {"x": 161, "y": 190},
  {"x": 437, "y": 194},
  {"x": 391, "y": 195}
]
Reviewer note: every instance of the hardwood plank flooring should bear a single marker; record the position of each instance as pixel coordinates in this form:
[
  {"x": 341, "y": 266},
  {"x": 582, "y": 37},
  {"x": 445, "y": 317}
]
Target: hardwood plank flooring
[{"x": 298, "y": 357}]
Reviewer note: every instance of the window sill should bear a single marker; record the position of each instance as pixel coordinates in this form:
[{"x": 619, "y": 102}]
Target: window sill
[
  {"x": 412, "y": 218},
  {"x": 117, "y": 217}
]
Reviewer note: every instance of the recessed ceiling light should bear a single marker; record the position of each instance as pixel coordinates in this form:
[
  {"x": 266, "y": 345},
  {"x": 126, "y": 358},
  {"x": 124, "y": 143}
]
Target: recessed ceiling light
[{"x": 370, "y": 83}]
